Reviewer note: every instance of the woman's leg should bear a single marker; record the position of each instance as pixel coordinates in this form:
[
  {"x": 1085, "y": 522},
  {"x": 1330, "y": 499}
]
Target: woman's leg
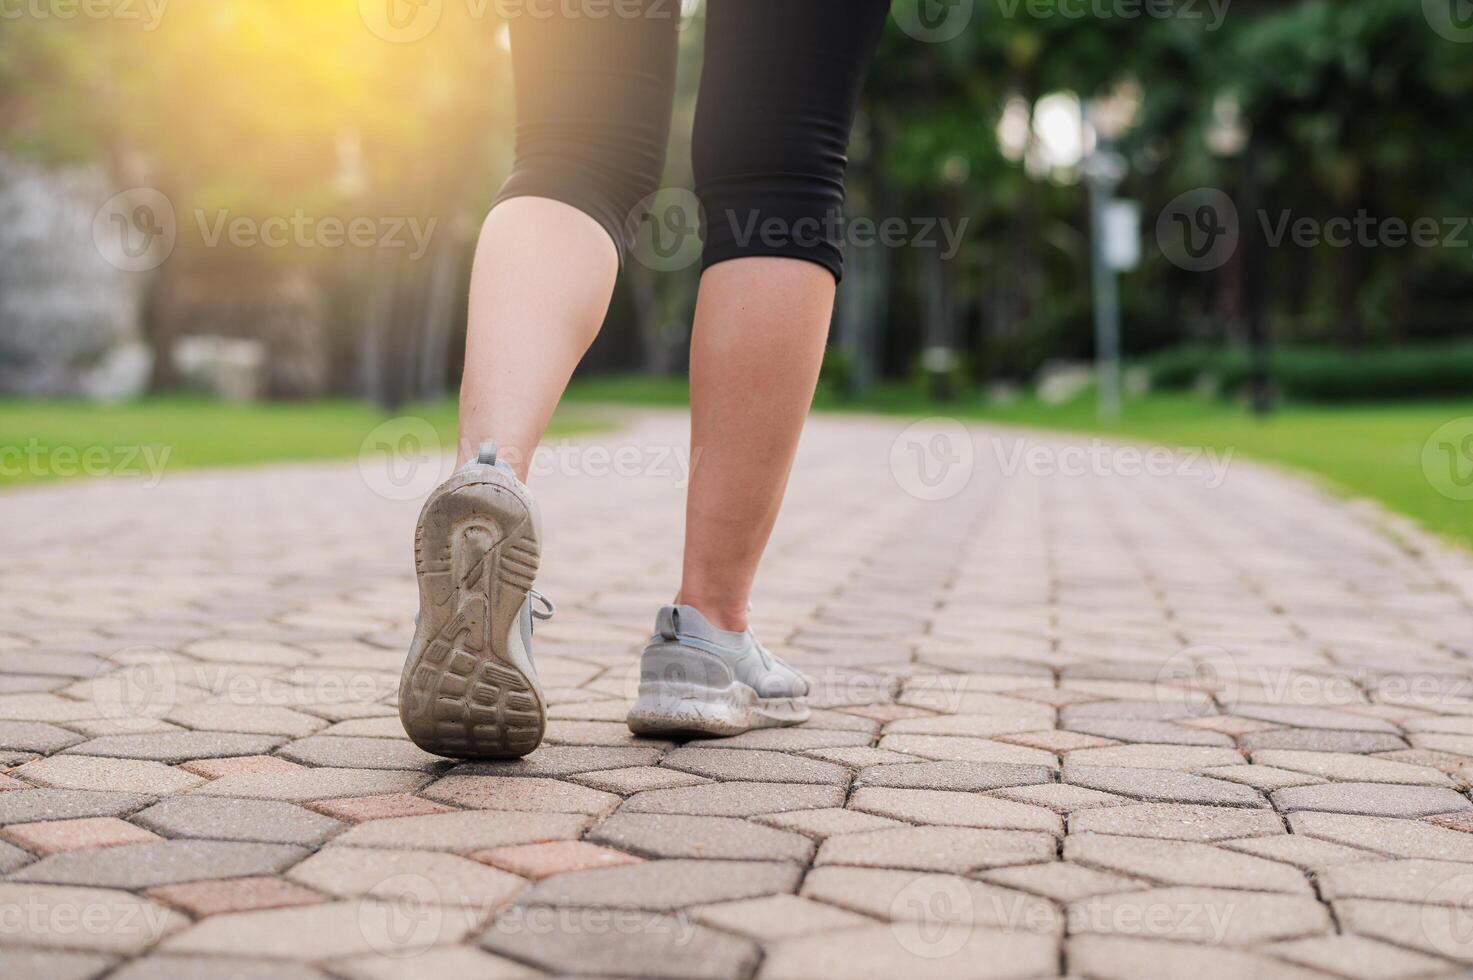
[
  {"x": 539, "y": 290},
  {"x": 780, "y": 87},
  {"x": 593, "y": 116}
]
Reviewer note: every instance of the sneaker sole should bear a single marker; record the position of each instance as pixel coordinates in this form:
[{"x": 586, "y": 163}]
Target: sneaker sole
[
  {"x": 476, "y": 554},
  {"x": 670, "y": 708}
]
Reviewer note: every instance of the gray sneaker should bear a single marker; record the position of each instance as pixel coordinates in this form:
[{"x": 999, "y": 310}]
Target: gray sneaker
[
  {"x": 698, "y": 680},
  {"x": 469, "y": 688}
]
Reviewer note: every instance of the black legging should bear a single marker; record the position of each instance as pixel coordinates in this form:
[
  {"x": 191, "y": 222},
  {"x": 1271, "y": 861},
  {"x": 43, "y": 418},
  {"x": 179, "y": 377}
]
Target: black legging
[{"x": 594, "y": 86}]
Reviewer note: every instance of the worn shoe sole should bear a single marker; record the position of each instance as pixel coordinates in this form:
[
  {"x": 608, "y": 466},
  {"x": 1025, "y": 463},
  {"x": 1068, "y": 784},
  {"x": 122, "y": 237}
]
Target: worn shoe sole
[
  {"x": 469, "y": 689},
  {"x": 666, "y": 707}
]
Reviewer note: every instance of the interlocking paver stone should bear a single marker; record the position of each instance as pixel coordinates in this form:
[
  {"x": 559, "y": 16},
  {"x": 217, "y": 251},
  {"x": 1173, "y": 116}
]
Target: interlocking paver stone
[
  {"x": 994, "y": 736},
  {"x": 1182, "y": 863},
  {"x": 160, "y": 863},
  {"x": 464, "y": 831},
  {"x": 882, "y": 953},
  {"x": 645, "y": 945},
  {"x": 357, "y": 809},
  {"x": 221, "y": 818},
  {"x": 1161, "y": 785},
  {"x": 1132, "y": 958},
  {"x": 1372, "y": 799},
  {"x": 204, "y": 898},
  {"x": 537, "y": 861},
  {"x": 670, "y": 835},
  {"x": 955, "y": 849},
  {"x": 1216, "y": 916},
  {"x": 33, "y": 805},
  {"x": 321, "y": 931},
  {"x": 302, "y": 785},
  {"x": 520, "y": 793},
  {"x": 38, "y": 964},
  {"x": 56, "y": 836},
  {"x": 53, "y": 916},
  {"x": 362, "y": 753},
  {"x": 904, "y": 895},
  {"x": 177, "y": 746},
  {"x": 953, "y": 775},
  {"x": 212, "y": 968},
  {"x": 425, "y": 876},
  {"x": 756, "y": 766},
  {"x": 1356, "y": 957},
  {"x": 664, "y": 886},
  {"x": 925, "y": 806},
  {"x": 1385, "y": 835},
  {"x": 735, "y": 799},
  {"x": 1176, "y": 821},
  {"x": 776, "y": 917},
  {"x": 637, "y": 779}
]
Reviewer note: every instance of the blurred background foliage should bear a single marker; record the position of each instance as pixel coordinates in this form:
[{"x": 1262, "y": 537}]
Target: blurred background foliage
[{"x": 274, "y": 107}]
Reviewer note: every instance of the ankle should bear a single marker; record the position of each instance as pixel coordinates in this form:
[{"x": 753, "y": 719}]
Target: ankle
[
  {"x": 468, "y": 449},
  {"x": 729, "y": 615}
]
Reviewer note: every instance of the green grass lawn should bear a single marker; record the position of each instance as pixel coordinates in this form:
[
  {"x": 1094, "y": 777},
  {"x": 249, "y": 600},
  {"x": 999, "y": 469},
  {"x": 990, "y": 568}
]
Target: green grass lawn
[
  {"x": 1367, "y": 450},
  {"x": 1371, "y": 450},
  {"x": 42, "y": 440}
]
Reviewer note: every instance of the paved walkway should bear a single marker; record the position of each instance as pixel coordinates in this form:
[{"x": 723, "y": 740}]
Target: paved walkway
[{"x": 1073, "y": 720}]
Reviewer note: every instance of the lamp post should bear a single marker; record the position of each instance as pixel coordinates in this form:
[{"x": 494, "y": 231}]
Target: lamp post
[{"x": 1114, "y": 248}]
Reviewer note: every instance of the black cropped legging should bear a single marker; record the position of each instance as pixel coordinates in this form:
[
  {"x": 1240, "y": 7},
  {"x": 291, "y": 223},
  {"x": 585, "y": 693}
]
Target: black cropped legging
[{"x": 594, "y": 90}]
